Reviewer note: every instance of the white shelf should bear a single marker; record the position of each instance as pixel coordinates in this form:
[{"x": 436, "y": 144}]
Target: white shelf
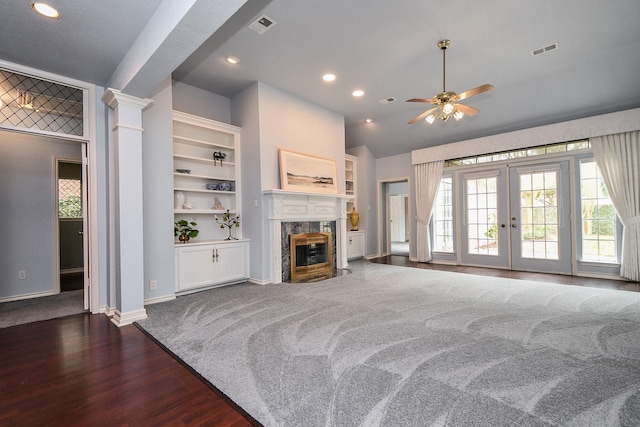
[
  {"x": 203, "y": 160},
  {"x": 197, "y": 190},
  {"x": 202, "y": 211},
  {"x": 194, "y": 176},
  {"x": 200, "y": 142}
]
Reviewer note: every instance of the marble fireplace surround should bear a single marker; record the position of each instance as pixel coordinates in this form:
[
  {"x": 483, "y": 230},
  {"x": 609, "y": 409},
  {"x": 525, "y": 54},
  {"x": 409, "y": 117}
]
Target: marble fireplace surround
[{"x": 292, "y": 206}]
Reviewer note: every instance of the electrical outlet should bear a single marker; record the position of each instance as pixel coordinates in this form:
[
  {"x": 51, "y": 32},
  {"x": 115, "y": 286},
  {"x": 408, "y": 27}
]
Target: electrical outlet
[
  {"x": 22, "y": 275},
  {"x": 153, "y": 285}
]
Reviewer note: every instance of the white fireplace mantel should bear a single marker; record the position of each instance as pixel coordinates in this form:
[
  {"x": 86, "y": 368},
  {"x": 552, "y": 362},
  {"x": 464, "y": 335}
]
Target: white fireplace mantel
[{"x": 290, "y": 206}]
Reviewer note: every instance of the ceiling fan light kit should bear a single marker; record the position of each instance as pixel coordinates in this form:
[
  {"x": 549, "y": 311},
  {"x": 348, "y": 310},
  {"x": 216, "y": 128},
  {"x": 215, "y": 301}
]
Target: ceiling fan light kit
[{"x": 446, "y": 102}]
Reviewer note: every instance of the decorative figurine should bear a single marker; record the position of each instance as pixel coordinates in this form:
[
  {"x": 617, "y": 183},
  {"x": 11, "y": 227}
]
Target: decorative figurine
[
  {"x": 218, "y": 155},
  {"x": 217, "y": 205},
  {"x": 229, "y": 222}
]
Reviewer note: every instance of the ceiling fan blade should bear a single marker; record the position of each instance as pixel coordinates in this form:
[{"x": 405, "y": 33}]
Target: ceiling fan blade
[
  {"x": 431, "y": 100},
  {"x": 468, "y": 111},
  {"x": 474, "y": 91},
  {"x": 422, "y": 116}
]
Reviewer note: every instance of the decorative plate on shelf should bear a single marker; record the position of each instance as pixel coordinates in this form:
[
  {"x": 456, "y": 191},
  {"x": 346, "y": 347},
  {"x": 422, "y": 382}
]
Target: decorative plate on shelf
[
  {"x": 183, "y": 170},
  {"x": 211, "y": 186},
  {"x": 224, "y": 186}
]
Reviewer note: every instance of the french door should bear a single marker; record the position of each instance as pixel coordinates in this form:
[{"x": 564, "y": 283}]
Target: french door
[{"x": 518, "y": 217}]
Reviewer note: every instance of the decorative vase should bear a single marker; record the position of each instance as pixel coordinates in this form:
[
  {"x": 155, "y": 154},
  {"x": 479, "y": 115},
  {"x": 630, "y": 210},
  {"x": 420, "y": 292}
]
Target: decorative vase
[
  {"x": 178, "y": 199},
  {"x": 184, "y": 238},
  {"x": 354, "y": 218}
]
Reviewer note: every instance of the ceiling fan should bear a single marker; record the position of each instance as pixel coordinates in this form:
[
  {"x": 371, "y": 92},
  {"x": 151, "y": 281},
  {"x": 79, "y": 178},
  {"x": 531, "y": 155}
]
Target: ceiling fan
[{"x": 446, "y": 101}]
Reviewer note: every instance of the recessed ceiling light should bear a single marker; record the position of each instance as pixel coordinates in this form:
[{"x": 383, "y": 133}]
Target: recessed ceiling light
[
  {"x": 329, "y": 77},
  {"x": 369, "y": 120},
  {"x": 358, "y": 93},
  {"x": 45, "y": 9},
  {"x": 232, "y": 59}
]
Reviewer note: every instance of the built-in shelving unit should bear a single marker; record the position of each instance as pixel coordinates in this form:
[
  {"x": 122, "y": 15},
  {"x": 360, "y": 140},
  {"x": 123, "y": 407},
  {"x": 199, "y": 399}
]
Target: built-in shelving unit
[
  {"x": 350, "y": 165},
  {"x": 206, "y": 182},
  {"x": 195, "y": 173}
]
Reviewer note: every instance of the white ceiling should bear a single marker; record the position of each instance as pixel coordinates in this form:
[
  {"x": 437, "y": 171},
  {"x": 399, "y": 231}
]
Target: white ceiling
[{"x": 386, "y": 48}]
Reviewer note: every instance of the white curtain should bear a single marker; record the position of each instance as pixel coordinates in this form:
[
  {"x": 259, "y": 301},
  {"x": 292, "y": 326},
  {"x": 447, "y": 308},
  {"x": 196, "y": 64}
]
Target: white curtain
[
  {"x": 618, "y": 157},
  {"x": 427, "y": 182}
]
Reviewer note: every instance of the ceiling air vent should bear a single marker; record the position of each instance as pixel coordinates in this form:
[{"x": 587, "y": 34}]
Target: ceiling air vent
[
  {"x": 541, "y": 50},
  {"x": 387, "y": 100},
  {"x": 262, "y": 24}
]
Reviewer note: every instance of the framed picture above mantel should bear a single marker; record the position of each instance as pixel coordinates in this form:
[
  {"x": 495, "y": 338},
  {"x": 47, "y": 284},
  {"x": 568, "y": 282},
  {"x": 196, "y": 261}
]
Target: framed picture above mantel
[{"x": 307, "y": 173}]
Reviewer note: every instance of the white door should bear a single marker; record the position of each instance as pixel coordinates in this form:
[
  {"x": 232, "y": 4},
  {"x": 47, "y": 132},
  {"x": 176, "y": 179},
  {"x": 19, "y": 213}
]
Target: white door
[
  {"x": 540, "y": 218},
  {"x": 398, "y": 228},
  {"x": 518, "y": 218},
  {"x": 485, "y": 237}
]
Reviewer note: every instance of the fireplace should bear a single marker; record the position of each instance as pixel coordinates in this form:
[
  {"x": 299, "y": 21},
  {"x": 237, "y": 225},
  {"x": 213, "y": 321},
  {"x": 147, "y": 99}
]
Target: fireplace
[
  {"x": 296, "y": 213},
  {"x": 311, "y": 256}
]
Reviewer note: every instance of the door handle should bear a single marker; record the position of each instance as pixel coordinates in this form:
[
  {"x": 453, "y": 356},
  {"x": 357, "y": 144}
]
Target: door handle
[
  {"x": 514, "y": 225},
  {"x": 502, "y": 225},
  {"x": 80, "y": 233}
]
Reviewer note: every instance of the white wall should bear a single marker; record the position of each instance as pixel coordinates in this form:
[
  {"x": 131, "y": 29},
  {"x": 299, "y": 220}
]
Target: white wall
[
  {"x": 294, "y": 124},
  {"x": 192, "y": 100},
  {"x": 27, "y": 211},
  {"x": 271, "y": 119},
  {"x": 245, "y": 114},
  {"x": 389, "y": 168},
  {"x": 157, "y": 179}
]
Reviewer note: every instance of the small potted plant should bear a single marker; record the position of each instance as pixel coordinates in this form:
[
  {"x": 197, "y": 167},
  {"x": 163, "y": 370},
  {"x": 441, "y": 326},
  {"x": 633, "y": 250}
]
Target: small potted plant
[{"x": 184, "y": 230}]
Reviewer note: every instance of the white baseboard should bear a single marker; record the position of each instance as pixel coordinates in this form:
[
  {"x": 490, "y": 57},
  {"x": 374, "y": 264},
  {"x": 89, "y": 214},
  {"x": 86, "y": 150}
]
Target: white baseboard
[
  {"x": 28, "y": 296},
  {"x": 259, "y": 282},
  {"x": 122, "y": 319},
  {"x": 157, "y": 300}
]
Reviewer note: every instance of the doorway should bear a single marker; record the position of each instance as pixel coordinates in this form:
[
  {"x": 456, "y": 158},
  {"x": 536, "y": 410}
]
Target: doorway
[
  {"x": 518, "y": 217},
  {"x": 70, "y": 225},
  {"x": 395, "y": 217}
]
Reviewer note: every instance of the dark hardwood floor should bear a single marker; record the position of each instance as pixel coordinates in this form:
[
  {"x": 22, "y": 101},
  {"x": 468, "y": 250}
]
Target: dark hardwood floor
[
  {"x": 83, "y": 370},
  {"x": 523, "y": 275}
]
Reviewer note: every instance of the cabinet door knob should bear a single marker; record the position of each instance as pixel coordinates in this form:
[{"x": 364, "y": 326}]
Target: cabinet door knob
[
  {"x": 216, "y": 255},
  {"x": 213, "y": 255}
]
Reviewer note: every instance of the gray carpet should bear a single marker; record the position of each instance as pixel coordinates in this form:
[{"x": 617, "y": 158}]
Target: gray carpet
[
  {"x": 44, "y": 308},
  {"x": 396, "y": 346}
]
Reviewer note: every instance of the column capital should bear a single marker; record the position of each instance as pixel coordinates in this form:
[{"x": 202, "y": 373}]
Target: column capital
[{"x": 113, "y": 98}]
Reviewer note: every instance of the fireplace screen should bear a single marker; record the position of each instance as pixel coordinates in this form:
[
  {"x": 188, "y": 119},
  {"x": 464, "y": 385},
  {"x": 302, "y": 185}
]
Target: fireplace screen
[{"x": 311, "y": 255}]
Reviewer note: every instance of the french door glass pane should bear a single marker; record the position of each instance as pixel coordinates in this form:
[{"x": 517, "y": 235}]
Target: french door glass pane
[
  {"x": 539, "y": 215},
  {"x": 482, "y": 216}
]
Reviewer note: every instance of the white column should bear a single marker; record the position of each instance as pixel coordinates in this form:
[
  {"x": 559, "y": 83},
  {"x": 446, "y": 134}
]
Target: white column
[{"x": 127, "y": 169}]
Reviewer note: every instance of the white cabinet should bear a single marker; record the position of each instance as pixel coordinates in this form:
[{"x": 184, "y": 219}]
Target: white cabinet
[
  {"x": 206, "y": 156},
  {"x": 207, "y": 264},
  {"x": 355, "y": 244}
]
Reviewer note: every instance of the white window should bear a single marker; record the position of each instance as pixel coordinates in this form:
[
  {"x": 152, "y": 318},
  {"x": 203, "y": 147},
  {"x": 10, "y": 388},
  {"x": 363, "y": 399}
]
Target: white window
[
  {"x": 442, "y": 218},
  {"x": 598, "y": 216}
]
